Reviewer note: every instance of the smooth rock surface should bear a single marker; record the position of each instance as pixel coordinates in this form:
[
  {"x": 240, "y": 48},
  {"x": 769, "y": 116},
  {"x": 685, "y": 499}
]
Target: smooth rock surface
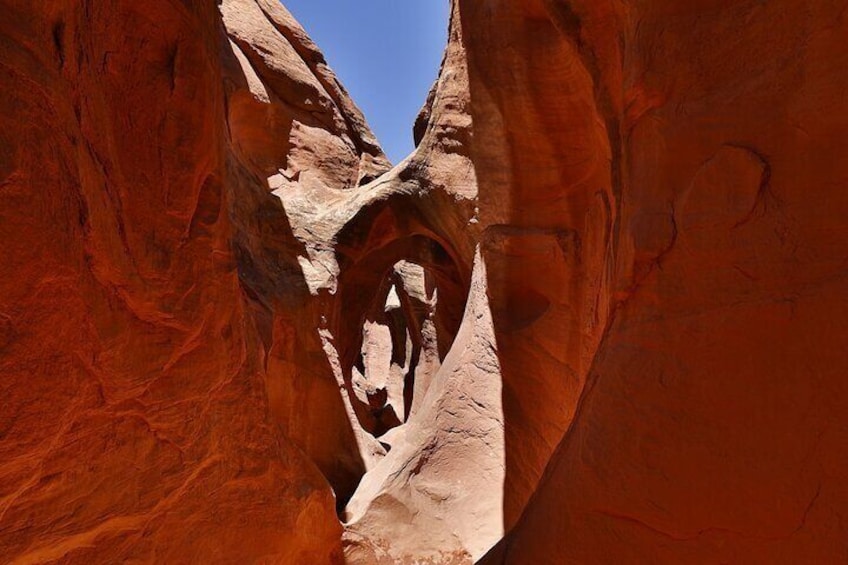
[
  {"x": 712, "y": 426},
  {"x": 597, "y": 316},
  {"x": 141, "y": 315}
]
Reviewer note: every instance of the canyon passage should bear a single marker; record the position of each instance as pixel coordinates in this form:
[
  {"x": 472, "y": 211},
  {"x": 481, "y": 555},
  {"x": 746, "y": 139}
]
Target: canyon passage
[{"x": 599, "y": 315}]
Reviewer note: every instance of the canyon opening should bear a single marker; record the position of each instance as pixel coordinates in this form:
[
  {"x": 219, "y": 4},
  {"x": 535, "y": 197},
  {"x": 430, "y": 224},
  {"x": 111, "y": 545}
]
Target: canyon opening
[{"x": 595, "y": 313}]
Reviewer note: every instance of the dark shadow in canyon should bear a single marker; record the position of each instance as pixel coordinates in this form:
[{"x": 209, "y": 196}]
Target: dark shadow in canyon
[{"x": 303, "y": 396}]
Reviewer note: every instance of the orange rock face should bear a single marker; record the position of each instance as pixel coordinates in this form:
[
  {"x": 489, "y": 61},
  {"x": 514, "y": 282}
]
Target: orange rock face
[
  {"x": 136, "y": 306},
  {"x": 595, "y": 317},
  {"x": 711, "y": 428}
]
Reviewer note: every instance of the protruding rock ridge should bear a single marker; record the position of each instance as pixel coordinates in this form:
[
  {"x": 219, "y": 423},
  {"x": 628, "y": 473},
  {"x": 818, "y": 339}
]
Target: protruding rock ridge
[
  {"x": 290, "y": 66},
  {"x": 301, "y": 146},
  {"x": 437, "y": 494}
]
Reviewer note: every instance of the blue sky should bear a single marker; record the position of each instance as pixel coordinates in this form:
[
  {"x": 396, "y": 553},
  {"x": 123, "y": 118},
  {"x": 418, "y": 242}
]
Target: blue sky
[{"x": 385, "y": 52}]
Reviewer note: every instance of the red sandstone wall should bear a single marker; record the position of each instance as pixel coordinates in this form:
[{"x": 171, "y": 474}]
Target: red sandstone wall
[
  {"x": 645, "y": 367},
  {"x": 712, "y": 425},
  {"x": 134, "y": 421}
]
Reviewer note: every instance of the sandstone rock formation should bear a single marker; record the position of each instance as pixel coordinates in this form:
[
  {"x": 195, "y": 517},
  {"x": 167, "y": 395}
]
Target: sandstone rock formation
[
  {"x": 712, "y": 425},
  {"x": 150, "y": 285},
  {"x": 597, "y": 316}
]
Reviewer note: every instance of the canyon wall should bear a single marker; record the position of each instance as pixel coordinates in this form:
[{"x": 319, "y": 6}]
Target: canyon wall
[
  {"x": 150, "y": 285},
  {"x": 712, "y": 425},
  {"x": 597, "y": 316}
]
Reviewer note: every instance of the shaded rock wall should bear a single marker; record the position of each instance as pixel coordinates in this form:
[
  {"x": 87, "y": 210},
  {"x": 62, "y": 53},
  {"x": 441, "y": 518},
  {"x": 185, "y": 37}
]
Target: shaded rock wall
[{"x": 712, "y": 419}]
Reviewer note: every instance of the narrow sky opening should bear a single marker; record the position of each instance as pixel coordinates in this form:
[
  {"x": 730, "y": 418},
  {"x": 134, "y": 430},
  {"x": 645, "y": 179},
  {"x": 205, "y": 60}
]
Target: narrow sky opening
[{"x": 385, "y": 52}]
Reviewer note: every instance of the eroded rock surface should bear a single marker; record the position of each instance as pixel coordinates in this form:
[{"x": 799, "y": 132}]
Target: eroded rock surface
[
  {"x": 151, "y": 286},
  {"x": 597, "y": 316},
  {"x": 711, "y": 425}
]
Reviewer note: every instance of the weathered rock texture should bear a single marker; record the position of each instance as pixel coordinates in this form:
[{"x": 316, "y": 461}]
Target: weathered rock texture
[
  {"x": 150, "y": 285},
  {"x": 712, "y": 428},
  {"x": 598, "y": 316}
]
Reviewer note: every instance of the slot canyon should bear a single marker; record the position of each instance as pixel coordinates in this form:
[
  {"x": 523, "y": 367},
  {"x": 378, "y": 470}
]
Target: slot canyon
[{"x": 599, "y": 315}]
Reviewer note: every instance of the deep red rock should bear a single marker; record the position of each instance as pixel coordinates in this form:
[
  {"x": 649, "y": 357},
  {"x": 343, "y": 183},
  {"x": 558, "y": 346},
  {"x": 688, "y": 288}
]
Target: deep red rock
[
  {"x": 597, "y": 316},
  {"x": 135, "y": 422}
]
